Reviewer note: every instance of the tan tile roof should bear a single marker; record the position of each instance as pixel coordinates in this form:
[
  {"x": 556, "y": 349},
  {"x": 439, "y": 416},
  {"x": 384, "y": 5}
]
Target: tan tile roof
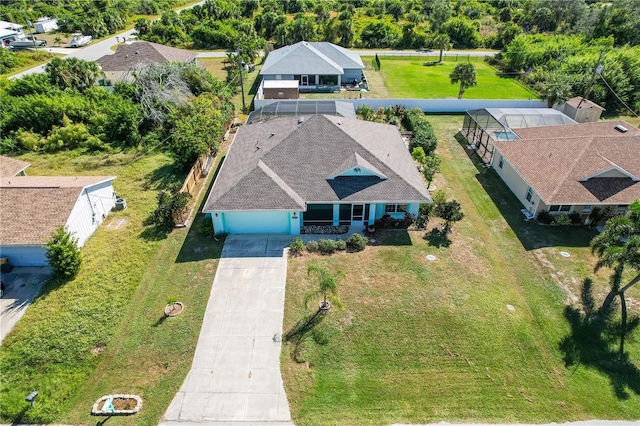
[
  {"x": 600, "y": 128},
  {"x": 31, "y": 207},
  {"x": 128, "y": 56},
  {"x": 574, "y": 102},
  {"x": 11, "y": 166},
  {"x": 555, "y": 167}
]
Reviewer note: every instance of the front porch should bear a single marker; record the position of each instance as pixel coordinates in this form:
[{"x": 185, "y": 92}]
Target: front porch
[{"x": 354, "y": 215}]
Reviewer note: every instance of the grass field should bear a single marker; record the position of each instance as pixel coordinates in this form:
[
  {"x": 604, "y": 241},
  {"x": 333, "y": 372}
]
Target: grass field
[
  {"x": 217, "y": 68},
  {"x": 104, "y": 331},
  {"x": 426, "y": 341}
]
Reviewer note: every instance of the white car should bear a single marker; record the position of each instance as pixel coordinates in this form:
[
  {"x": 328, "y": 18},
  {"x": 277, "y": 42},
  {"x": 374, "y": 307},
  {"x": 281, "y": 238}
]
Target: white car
[{"x": 80, "y": 40}]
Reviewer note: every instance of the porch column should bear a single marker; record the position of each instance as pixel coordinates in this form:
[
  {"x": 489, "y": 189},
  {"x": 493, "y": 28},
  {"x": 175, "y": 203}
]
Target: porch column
[
  {"x": 339, "y": 80},
  {"x": 317, "y": 79},
  {"x": 295, "y": 218},
  {"x": 218, "y": 227},
  {"x": 372, "y": 214},
  {"x": 336, "y": 214},
  {"x": 413, "y": 208}
]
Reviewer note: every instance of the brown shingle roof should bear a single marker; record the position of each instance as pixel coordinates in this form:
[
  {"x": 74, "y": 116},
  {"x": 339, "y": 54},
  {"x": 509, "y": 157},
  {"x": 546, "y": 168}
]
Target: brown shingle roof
[
  {"x": 128, "y": 56},
  {"x": 31, "y": 207},
  {"x": 11, "y": 166},
  {"x": 600, "y": 128},
  {"x": 556, "y": 168},
  {"x": 574, "y": 102}
]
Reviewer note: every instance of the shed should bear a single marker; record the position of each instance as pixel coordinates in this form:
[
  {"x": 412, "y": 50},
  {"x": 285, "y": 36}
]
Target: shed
[
  {"x": 280, "y": 89},
  {"x": 44, "y": 25}
]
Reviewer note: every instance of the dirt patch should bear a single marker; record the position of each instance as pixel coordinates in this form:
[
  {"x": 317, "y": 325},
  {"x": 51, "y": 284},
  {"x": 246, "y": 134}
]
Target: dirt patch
[
  {"x": 98, "y": 349},
  {"x": 464, "y": 254}
]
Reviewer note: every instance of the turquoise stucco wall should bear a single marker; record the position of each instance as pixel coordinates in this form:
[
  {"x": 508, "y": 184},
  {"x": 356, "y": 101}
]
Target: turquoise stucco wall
[{"x": 280, "y": 222}]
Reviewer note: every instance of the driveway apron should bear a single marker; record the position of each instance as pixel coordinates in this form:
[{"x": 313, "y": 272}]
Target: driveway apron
[{"x": 235, "y": 376}]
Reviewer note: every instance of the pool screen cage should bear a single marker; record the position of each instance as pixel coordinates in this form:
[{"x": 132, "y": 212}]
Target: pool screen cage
[{"x": 483, "y": 126}]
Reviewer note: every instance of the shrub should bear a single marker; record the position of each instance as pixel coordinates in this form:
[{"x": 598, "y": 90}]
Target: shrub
[
  {"x": 312, "y": 246},
  {"x": 575, "y": 218},
  {"x": 562, "y": 219},
  {"x": 326, "y": 246},
  {"x": 595, "y": 215},
  {"x": 296, "y": 247},
  {"x": 544, "y": 217},
  {"x": 357, "y": 242},
  {"x": 63, "y": 253},
  {"x": 341, "y": 245},
  {"x": 171, "y": 208}
]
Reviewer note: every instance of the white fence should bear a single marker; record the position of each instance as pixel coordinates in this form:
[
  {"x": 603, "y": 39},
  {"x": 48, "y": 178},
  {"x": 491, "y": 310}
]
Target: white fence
[{"x": 429, "y": 105}]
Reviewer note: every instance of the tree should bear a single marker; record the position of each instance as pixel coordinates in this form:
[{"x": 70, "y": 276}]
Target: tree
[
  {"x": 556, "y": 89},
  {"x": 450, "y": 212},
  {"x": 419, "y": 156},
  {"x": 142, "y": 26},
  {"x": 465, "y": 74},
  {"x": 73, "y": 73},
  {"x": 327, "y": 287},
  {"x": 57, "y": 40},
  {"x": 618, "y": 247},
  {"x": 430, "y": 167},
  {"x": 442, "y": 42},
  {"x": 63, "y": 253}
]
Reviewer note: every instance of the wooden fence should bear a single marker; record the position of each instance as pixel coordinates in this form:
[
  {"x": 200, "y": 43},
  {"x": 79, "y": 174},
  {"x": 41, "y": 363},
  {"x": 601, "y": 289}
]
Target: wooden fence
[{"x": 195, "y": 173}]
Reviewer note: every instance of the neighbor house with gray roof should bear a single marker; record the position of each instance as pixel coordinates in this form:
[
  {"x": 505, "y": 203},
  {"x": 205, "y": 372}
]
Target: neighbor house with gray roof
[
  {"x": 12, "y": 167},
  {"x": 121, "y": 65},
  {"x": 572, "y": 168},
  {"x": 287, "y": 172},
  {"x": 316, "y": 66},
  {"x": 32, "y": 207}
]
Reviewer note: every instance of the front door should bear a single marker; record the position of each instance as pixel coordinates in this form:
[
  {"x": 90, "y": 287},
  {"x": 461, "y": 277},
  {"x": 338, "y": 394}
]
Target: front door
[
  {"x": 357, "y": 215},
  {"x": 305, "y": 80}
]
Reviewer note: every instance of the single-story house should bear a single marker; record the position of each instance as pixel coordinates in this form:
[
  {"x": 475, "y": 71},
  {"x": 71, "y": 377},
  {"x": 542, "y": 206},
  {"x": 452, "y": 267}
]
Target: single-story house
[
  {"x": 12, "y": 167},
  {"x": 316, "y": 66},
  {"x": 32, "y": 207},
  {"x": 121, "y": 65},
  {"x": 581, "y": 110},
  {"x": 288, "y": 172},
  {"x": 6, "y": 37},
  {"x": 566, "y": 169}
]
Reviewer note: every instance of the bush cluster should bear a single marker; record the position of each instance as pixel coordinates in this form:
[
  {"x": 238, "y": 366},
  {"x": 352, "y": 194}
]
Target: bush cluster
[
  {"x": 357, "y": 242},
  {"x": 387, "y": 222},
  {"x": 322, "y": 246},
  {"x": 423, "y": 134}
]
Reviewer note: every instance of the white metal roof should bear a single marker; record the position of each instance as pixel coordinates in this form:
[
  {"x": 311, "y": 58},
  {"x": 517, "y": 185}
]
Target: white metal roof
[{"x": 280, "y": 84}]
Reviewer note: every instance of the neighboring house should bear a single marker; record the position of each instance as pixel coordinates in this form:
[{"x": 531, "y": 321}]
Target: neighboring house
[
  {"x": 32, "y": 207},
  {"x": 581, "y": 110},
  {"x": 483, "y": 127},
  {"x": 566, "y": 169},
  {"x": 302, "y": 108},
  {"x": 6, "y": 37},
  {"x": 121, "y": 65},
  {"x": 5, "y": 25},
  {"x": 12, "y": 167},
  {"x": 283, "y": 173},
  {"x": 316, "y": 66}
]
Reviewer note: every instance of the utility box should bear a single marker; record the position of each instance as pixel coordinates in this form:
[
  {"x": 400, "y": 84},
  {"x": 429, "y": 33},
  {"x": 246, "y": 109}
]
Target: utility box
[{"x": 5, "y": 266}]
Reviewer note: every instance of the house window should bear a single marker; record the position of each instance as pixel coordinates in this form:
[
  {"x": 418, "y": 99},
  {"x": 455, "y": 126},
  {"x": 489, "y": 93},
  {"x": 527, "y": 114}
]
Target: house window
[
  {"x": 529, "y": 194},
  {"x": 554, "y": 208},
  {"x": 501, "y": 161},
  {"x": 561, "y": 208},
  {"x": 565, "y": 207},
  {"x": 281, "y": 94},
  {"x": 395, "y": 208},
  {"x": 586, "y": 209}
]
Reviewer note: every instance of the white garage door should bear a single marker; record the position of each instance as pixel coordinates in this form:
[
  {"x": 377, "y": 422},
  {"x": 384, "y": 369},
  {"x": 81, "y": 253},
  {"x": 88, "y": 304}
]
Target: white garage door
[{"x": 256, "y": 222}]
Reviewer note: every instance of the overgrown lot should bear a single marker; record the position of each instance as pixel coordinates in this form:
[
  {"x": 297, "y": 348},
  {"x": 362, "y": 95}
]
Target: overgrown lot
[
  {"x": 423, "y": 341},
  {"x": 104, "y": 331}
]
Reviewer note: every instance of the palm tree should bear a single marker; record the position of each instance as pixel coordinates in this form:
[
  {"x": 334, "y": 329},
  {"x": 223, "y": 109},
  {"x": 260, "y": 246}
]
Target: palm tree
[
  {"x": 327, "y": 287},
  {"x": 618, "y": 247},
  {"x": 465, "y": 74},
  {"x": 556, "y": 89},
  {"x": 442, "y": 42},
  {"x": 57, "y": 40}
]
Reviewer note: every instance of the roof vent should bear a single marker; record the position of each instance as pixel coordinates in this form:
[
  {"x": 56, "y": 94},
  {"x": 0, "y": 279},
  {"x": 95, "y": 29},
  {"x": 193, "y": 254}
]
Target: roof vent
[
  {"x": 300, "y": 120},
  {"x": 136, "y": 52},
  {"x": 621, "y": 129},
  {"x": 338, "y": 122}
]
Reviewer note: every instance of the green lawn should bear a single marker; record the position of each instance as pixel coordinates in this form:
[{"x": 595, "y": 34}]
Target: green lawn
[
  {"x": 422, "y": 341},
  {"x": 104, "y": 331},
  {"x": 411, "y": 78},
  {"x": 217, "y": 68}
]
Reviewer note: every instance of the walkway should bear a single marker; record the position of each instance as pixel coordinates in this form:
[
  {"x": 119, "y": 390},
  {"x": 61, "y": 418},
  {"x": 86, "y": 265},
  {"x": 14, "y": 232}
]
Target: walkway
[{"x": 235, "y": 376}]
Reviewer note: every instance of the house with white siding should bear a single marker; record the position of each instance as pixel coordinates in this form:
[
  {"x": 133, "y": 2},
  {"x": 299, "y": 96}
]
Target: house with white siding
[
  {"x": 289, "y": 172},
  {"x": 32, "y": 207}
]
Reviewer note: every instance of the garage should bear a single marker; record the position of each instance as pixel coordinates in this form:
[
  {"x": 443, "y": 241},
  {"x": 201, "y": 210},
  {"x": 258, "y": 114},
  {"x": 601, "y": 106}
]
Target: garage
[
  {"x": 256, "y": 222},
  {"x": 24, "y": 255}
]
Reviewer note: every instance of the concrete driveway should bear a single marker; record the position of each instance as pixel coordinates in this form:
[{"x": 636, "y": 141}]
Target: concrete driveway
[
  {"x": 22, "y": 285},
  {"x": 235, "y": 376}
]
